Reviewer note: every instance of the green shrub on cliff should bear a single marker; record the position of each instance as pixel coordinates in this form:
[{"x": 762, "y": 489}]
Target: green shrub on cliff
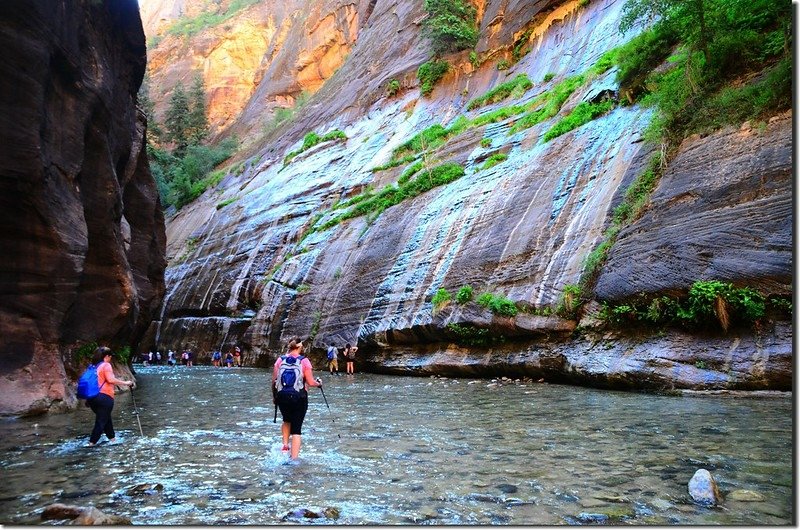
[
  {"x": 514, "y": 88},
  {"x": 708, "y": 304},
  {"x": 498, "y": 304},
  {"x": 440, "y": 299},
  {"x": 583, "y": 113},
  {"x": 311, "y": 139},
  {"x": 464, "y": 294},
  {"x": 373, "y": 204},
  {"x": 493, "y": 160},
  {"x": 450, "y": 25},
  {"x": 429, "y": 73}
]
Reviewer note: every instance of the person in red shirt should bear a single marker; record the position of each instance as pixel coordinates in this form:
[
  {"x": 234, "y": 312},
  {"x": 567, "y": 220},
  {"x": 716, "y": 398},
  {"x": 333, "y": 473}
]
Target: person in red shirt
[{"x": 103, "y": 403}]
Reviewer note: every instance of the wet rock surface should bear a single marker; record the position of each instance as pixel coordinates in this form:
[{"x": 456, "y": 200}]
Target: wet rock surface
[
  {"x": 82, "y": 516},
  {"x": 703, "y": 488},
  {"x": 722, "y": 211}
]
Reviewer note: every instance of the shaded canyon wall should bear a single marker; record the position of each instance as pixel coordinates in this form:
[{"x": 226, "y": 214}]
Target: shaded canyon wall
[{"x": 83, "y": 237}]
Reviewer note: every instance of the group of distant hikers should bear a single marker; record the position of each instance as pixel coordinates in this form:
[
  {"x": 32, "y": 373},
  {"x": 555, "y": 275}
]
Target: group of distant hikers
[
  {"x": 349, "y": 355},
  {"x": 292, "y": 376}
]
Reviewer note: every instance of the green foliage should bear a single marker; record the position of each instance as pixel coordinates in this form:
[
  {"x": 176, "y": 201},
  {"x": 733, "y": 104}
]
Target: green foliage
[
  {"x": 639, "y": 56},
  {"x": 631, "y": 207},
  {"x": 189, "y": 26},
  {"x": 440, "y": 299},
  {"x": 409, "y": 172},
  {"x": 583, "y": 113},
  {"x": 450, "y": 25},
  {"x": 494, "y": 160},
  {"x": 498, "y": 304},
  {"x": 176, "y": 120},
  {"x": 85, "y": 352},
  {"x": 430, "y": 138},
  {"x": 373, "y": 204},
  {"x": 486, "y": 142},
  {"x": 467, "y": 335},
  {"x": 721, "y": 43},
  {"x": 638, "y": 193},
  {"x": 223, "y": 204},
  {"x": 317, "y": 319},
  {"x": 429, "y": 73},
  {"x": 548, "y": 104},
  {"x": 516, "y": 87},
  {"x": 311, "y": 139},
  {"x": 584, "y": 3},
  {"x": 548, "y": 76},
  {"x": 197, "y": 122},
  {"x": 185, "y": 120},
  {"x": 502, "y": 64},
  {"x": 708, "y": 303},
  {"x": 464, "y": 294},
  {"x": 190, "y": 176},
  {"x": 303, "y": 288},
  {"x": 473, "y": 59},
  {"x": 569, "y": 301},
  {"x": 497, "y": 115},
  {"x": 520, "y": 45},
  {"x": 782, "y": 305},
  {"x": 393, "y": 87},
  {"x": 123, "y": 355}
]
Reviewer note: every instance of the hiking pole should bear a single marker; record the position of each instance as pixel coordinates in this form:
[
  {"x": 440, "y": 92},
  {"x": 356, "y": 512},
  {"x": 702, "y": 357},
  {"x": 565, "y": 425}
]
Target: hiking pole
[
  {"x": 329, "y": 408},
  {"x": 136, "y": 413}
]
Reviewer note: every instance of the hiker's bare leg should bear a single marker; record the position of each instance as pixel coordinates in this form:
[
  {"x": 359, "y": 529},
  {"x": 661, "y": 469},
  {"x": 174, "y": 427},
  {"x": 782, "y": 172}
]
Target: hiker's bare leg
[
  {"x": 285, "y": 427},
  {"x": 295, "y": 446}
]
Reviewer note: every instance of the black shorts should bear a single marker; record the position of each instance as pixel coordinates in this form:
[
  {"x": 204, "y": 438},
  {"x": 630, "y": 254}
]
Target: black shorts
[{"x": 293, "y": 407}]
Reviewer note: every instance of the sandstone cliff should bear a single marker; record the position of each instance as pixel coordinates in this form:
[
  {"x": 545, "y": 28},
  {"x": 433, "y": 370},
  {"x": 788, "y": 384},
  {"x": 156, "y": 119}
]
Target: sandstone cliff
[
  {"x": 247, "y": 268},
  {"x": 83, "y": 233}
]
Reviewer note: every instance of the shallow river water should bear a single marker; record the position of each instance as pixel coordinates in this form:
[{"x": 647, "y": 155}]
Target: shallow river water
[{"x": 401, "y": 450}]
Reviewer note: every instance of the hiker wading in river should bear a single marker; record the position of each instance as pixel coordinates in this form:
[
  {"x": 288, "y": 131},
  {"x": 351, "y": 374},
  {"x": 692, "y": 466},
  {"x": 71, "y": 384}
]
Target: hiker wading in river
[
  {"x": 291, "y": 378},
  {"x": 103, "y": 403}
]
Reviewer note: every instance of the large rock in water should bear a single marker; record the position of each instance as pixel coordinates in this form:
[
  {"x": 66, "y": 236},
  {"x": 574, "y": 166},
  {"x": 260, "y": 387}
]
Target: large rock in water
[
  {"x": 703, "y": 488},
  {"x": 83, "y": 237}
]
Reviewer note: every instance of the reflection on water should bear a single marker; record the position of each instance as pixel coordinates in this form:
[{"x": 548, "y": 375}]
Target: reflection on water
[{"x": 396, "y": 450}]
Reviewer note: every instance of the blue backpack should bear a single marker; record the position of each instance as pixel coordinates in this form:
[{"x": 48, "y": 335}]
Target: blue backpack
[
  {"x": 290, "y": 374},
  {"x": 88, "y": 386}
]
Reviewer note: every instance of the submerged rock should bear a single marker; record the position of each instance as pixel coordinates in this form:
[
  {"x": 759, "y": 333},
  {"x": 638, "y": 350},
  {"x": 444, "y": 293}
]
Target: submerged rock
[
  {"x": 703, "y": 488},
  {"x": 145, "y": 489},
  {"x": 82, "y": 516},
  {"x": 746, "y": 496}
]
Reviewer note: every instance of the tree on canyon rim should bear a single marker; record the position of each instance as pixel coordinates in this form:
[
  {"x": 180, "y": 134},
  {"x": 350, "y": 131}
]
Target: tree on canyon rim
[{"x": 181, "y": 174}]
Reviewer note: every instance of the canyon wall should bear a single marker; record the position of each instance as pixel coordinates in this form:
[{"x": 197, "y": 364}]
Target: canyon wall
[
  {"x": 252, "y": 264},
  {"x": 83, "y": 235}
]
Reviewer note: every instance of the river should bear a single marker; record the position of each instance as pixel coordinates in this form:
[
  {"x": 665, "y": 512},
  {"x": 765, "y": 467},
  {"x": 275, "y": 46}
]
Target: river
[{"x": 403, "y": 450}]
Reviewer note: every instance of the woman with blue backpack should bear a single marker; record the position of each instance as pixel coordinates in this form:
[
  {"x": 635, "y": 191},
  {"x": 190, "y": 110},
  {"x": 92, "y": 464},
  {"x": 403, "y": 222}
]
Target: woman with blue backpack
[
  {"x": 102, "y": 402},
  {"x": 291, "y": 377}
]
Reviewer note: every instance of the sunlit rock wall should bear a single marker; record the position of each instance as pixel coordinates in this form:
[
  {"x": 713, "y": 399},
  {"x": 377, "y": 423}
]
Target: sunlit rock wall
[
  {"x": 83, "y": 233},
  {"x": 243, "y": 273},
  {"x": 262, "y": 58}
]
